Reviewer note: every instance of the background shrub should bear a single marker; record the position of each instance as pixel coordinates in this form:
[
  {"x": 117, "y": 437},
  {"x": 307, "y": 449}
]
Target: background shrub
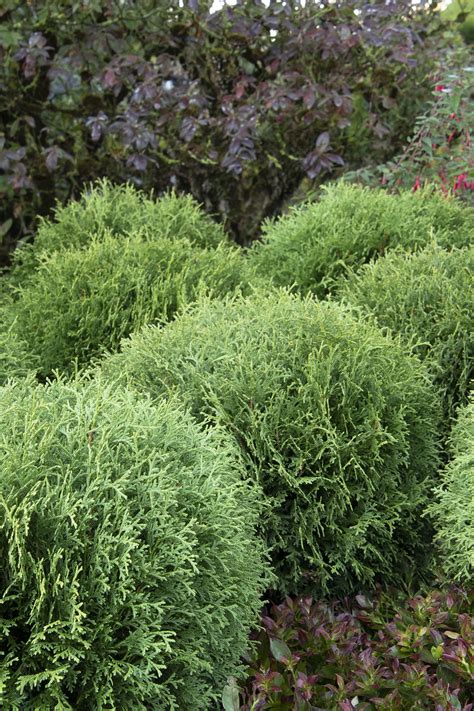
[
  {"x": 234, "y": 106},
  {"x": 419, "y": 655},
  {"x": 315, "y": 244},
  {"x": 454, "y": 506},
  {"x": 440, "y": 152},
  {"x": 83, "y": 300},
  {"x": 461, "y": 12},
  {"x": 336, "y": 424},
  {"x": 117, "y": 210},
  {"x": 427, "y": 298},
  {"x": 131, "y": 573}
]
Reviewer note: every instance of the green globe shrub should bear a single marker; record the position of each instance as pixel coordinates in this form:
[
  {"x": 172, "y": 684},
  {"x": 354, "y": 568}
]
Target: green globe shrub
[
  {"x": 428, "y": 299},
  {"x": 131, "y": 572},
  {"x": 337, "y": 425},
  {"x": 84, "y": 300},
  {"x": 453, "y": 509},
  {"x": 313, "y": 246},
  {"x": 118, "y": 210}
]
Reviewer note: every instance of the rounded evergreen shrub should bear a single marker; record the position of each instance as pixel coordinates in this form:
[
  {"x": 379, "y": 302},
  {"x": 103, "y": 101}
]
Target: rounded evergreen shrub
[
  {"x": 84, "y": 300},
  {"x": 131, "y": 572},
  {"x": 118, "y": 210},
  {"x": 336, "y": 423},
  {"x": 453, "y": 510},
  {"x": 428, "y": 299},
  {"x": 313, "y": 246}
]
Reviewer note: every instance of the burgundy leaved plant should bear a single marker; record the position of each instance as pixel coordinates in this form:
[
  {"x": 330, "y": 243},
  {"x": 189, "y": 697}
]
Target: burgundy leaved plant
[
  {"x": 368, "y": 655},
  {"x": 234, "y": 106}
]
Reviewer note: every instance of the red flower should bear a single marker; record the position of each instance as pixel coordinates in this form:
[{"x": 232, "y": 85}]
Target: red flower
[
  {"x": 461, "y": 182},
  {"x": 417, "y": 185},
  {"x": 440, "y": 87},
  {"x": 452, "y": 136}
]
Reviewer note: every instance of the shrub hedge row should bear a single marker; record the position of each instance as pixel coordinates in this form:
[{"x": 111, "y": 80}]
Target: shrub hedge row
[
  {"x": 139, "y": 503},
  {"x": 107, "y": 265},
  {"x": 120, "y": 210}
]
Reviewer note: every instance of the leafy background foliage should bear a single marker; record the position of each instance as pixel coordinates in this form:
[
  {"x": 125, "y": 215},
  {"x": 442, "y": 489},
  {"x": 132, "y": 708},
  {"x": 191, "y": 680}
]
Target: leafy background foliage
[
  {"x": 234, "y": 107},
  {"x": 441, "y": 150},
  {"x": 461, "y": 12}
]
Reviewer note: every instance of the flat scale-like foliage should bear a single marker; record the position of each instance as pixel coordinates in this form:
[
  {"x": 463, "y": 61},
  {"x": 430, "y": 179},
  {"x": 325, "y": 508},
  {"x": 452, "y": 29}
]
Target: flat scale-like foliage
[
  {"x": 428, "y": 299},
  {"x": 337, "y": 425},
  {"x": 131, "y": 572},
  {"x": 313, "y": 246},
  {"x": 118, "y": 210},
  {"x": 15, "y": 358},
  {"x": 83, "y": 300},
  {"x": 453, "y": 509}
]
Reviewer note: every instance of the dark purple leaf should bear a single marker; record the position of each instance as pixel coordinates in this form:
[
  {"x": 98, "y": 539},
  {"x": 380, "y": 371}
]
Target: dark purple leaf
[
  {"x": 110, "y": 79},
  {"x": 20, "y": 178},
  {"x": 309, "y": 97},
  {"x": 51, "y": 158},
  {"x": 323, "y": 141},
  {"x": 188, "y": 129},
  {"x": 334, "y": 158},
  {"x": 137, "y": 161},
  {"x": 97, "y": 125}
]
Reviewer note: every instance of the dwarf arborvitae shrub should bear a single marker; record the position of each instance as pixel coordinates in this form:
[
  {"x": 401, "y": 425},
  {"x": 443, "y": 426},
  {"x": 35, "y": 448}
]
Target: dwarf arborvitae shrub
[
  {"x": 83, "y": 300},
  {"x": 16, "y": 360},
  {"x": 131, "y": 572},
  {"x": 453, "y": 510},
  {"x": 427, "y": 298},
  {"x": 118, "y": 210},
  {"x": 336, "y": 423},
  {"x": 314, "y": 245}
]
